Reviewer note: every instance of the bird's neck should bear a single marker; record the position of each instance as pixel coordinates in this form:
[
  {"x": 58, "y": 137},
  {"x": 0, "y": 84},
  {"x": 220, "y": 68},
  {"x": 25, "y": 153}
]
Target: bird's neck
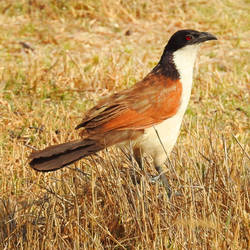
[
  {"x": 167, "y": 67},
  {"x": 179, "y": 65},
  {"x": 184, "y": 60}
]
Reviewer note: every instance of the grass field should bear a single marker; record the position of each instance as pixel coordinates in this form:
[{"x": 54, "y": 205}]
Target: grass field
[{"x": 56, "y": 59}]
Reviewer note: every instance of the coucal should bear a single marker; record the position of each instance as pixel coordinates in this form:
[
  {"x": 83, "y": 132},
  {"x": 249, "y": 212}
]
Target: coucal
[{"x": 147, "y": 117}]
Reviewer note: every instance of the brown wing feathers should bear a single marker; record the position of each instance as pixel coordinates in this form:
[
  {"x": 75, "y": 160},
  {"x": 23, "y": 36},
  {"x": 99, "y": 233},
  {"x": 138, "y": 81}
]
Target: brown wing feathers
[{"x": 149, "y": 102}]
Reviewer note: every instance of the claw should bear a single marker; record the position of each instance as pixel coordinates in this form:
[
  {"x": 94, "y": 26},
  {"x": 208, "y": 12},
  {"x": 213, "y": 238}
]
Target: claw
[{"x": 154, "y": 179}]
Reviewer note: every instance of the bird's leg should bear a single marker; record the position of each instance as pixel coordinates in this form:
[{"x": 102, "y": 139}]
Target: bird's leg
[
  {"x": 161, "y": 176},
  {"x": 138, "y": 157},
  {"x": 164, "y": 180}
]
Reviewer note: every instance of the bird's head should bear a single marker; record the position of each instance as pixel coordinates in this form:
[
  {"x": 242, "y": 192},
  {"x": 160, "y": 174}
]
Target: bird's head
[
  {"x": 186, "y": 38},
  {"x": 178, "y": 58}
]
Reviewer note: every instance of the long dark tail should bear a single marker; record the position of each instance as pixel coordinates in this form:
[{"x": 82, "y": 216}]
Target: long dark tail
[{"x": 58, "y": 156}]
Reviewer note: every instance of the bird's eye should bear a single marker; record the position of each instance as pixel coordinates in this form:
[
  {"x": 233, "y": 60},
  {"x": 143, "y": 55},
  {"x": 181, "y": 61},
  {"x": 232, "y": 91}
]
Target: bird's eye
[{"x": 188, "y": 37}]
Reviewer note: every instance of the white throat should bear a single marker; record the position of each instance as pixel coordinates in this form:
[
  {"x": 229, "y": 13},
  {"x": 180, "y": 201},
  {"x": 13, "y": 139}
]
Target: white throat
[{"x": 184, "y": 60}]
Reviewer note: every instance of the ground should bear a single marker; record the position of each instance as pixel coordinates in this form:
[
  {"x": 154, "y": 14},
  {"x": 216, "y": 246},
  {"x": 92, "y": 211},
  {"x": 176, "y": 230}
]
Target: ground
[{"x": 57, "y": 58}]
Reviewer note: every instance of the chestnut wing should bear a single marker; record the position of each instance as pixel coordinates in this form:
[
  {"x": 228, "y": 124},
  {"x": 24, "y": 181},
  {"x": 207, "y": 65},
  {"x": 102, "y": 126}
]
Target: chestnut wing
[{"x": 149, "y": 102}]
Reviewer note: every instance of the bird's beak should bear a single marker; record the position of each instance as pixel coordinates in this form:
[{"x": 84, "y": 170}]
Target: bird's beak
[{"x": 205, "y": 36}]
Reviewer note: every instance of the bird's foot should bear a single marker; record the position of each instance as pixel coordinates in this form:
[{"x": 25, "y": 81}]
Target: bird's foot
[{"x": 154, "y": 178}]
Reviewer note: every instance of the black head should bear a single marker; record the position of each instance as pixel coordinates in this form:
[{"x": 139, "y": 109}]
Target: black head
[
  {"x": 180, "y": 39},
  {"x": 183, "y": 38}
]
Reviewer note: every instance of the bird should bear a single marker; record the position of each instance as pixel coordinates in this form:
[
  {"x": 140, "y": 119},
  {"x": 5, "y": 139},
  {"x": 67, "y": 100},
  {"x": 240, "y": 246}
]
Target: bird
[{"x": 146, "y": 116}]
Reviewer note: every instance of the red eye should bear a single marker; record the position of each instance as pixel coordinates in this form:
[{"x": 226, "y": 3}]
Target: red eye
[{"x": 188, "y": 37}]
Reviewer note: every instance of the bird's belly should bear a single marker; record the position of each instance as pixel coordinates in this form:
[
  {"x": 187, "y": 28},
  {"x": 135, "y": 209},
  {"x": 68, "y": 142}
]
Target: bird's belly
[{"x": 158, "y": 141}]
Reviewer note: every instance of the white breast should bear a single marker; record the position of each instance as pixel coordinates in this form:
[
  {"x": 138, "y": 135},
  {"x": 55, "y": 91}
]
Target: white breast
[{"x": 168, "y": 130}]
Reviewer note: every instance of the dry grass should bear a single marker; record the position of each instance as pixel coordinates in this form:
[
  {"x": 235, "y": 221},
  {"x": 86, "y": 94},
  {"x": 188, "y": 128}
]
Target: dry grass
[{"x": 82, "y": 50}]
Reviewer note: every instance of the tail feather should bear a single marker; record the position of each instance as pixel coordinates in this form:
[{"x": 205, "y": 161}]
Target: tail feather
[{"x": 58, "y": 156}]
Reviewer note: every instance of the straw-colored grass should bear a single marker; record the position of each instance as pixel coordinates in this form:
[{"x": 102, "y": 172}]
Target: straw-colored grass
[{"x": 56, "y": 59}]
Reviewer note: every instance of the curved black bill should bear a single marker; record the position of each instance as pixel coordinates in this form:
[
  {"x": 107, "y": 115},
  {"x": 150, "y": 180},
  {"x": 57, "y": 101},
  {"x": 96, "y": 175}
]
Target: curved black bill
[{"x": 205, "y": 36}]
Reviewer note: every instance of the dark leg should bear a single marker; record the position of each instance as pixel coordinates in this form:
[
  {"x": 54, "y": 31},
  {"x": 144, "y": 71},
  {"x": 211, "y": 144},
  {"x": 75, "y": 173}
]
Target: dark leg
[
  {"x": 135, "y": 176},
  {"x": 162, "y": 176},
  {"x": 138, "y": 157}
]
